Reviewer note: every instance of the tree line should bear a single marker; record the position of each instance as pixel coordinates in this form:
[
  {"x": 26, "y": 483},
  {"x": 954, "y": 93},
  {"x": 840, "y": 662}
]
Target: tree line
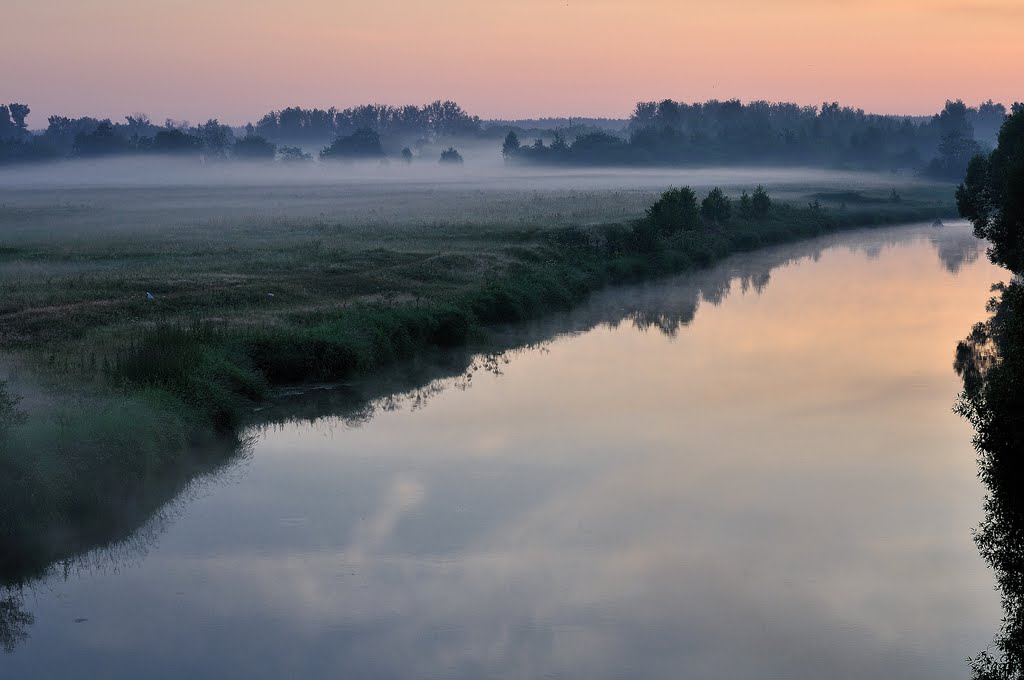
[
  {"x": 88, "y": 137},
  {"x": 295, "y": 125},
  {"x": 657, "y": 133},
  {"x": 760, "y": 132}
]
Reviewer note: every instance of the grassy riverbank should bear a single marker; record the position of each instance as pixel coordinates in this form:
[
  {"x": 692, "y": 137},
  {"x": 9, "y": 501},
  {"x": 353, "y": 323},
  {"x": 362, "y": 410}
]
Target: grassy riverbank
[{"x": 248, "y": 306}]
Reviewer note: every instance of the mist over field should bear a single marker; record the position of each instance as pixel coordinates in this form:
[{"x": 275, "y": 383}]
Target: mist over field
[{"x": 145, "y": 194}]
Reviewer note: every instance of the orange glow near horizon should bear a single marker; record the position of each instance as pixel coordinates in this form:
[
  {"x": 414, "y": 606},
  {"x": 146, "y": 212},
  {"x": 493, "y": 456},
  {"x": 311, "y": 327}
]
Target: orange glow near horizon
[{"x": 237, "y": 59}]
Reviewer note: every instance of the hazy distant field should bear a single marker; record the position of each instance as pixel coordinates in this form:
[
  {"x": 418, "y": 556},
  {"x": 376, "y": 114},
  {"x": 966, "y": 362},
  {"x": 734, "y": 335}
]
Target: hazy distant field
[{"x": 141, "y": 195}]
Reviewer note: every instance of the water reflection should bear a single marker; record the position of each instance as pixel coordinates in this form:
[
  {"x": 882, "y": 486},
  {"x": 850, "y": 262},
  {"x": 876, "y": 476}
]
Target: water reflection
[
  {"x": 991, "y": 363},
  {"x": 14, "y": 620},
  {"x": 573, "y": 523}
]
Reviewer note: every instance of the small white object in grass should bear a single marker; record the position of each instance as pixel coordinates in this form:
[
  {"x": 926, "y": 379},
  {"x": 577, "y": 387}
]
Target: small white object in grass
[
  {"x": 149, "y": 296},
  {"x": 270, "y": 295}
]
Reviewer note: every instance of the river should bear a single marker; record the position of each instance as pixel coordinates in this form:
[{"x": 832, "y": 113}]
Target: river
[{"x": 751, "y": 471}]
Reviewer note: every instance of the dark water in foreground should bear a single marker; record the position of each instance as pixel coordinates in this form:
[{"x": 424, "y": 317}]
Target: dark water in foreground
[{"x": 749, "y": 472}]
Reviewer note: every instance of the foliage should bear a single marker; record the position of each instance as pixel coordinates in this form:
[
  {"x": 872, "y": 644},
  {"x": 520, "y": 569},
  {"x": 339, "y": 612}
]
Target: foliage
[
  {"x": 254, "y": 148},
  {"x": 510, "y": 147},
  {"x": 731, "y": 132},
  {"x": 674, "y": 211},
  {"x": 293, "y": 154},
  {"x": 296, "y": 125},
  {"x": 451, "y": 156},
  {"x": 102, "y": 141},
  {"x": 176, "y": 142},
  {"x": 216, "y": 139},
  {"x": 760, "y": 202},
  {"x": 992, "y": 195},
  {"x": 362, "y": 144},
  {"x": 991, "y": 363},
  {"x": 716, "y": 206}
]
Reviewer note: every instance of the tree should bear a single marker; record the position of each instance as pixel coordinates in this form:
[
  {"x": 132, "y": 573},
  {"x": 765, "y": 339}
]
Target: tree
[
  {"x": 7, "y": 128},
  {"x": 992, "y": 195},
  {"x": 511, "y": 146},
  {"x": 363, "y": 143},
  {"x": 716, "y": 206},
  {"x": 675, "y": 210},
  {"x": 19, "y": 112},
  {"x": 989, "y": 119},
  {"x": 175, "y": 141},
  {"x": 61, "y": 131},
  {"x": 955, "y": 152},
  {"x": 103, "y": 141},
  {"x": 293, "y": 154},
  {"x": 746, "y": 209},
  {"x": 451, "y": 157},
  {"x": 216, "y": 139},
  {"x": 760, "y": 202},
  {"x": 558, "y": 143},
  {"x": 254, "y": 148},
  {"x": 599, "y": 147}
]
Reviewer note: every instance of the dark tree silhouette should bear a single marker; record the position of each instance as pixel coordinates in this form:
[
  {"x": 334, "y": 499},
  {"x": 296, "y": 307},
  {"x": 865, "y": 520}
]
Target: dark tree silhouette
[
  {"x": 176, "y": 142},
  {"x": 293, "y": 154},
  {"x": 451, "y": 157},
  {"x": 675, "y": 210},
  {"x": 103, "y": 141},
  {"x": 511, "y": 145},
  {"x": 216, "y": 139},
  {"x": 991, "y": 363},
  {"x": 716, "y": 206},
  {"x": 254, "y": 148},
  {"x": 361, "y": 144},
  {"x": 992, "y": 195},
  {"x": 760, "y": 202}
]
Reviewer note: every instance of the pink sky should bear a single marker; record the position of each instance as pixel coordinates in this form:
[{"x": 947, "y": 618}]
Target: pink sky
[{"x": 237, "y": 59}]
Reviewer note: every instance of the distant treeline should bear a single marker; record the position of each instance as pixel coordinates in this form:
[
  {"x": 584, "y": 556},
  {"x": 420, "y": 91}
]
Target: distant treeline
[
  {"x": 300, "y": 126},
  {"x": 730, "y": 132},
  {"x": 350, "y": 134},
  {"x": 658, "y": 133}
]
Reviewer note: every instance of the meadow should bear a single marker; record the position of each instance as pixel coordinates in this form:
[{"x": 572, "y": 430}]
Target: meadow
[{"x": 144, "y": 314}]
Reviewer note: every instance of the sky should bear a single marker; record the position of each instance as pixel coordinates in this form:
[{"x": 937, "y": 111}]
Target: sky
[{"x": 237, "y": 59}]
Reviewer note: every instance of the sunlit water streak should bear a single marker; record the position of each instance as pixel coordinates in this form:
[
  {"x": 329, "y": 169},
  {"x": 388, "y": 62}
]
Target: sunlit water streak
[{"x": 748, "y": 472}]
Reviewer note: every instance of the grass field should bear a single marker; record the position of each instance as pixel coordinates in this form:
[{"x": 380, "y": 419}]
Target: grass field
[{"x": 259, "y": 283}]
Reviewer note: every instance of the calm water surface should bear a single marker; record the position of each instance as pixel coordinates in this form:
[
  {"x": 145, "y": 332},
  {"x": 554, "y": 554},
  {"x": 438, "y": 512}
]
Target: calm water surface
[{"x": 749, "y": 472}]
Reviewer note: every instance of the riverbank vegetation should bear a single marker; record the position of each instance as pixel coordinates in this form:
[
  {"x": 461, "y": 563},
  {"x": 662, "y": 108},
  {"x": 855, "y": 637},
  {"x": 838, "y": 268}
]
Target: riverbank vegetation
[{"x": 991, "y": 362}]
